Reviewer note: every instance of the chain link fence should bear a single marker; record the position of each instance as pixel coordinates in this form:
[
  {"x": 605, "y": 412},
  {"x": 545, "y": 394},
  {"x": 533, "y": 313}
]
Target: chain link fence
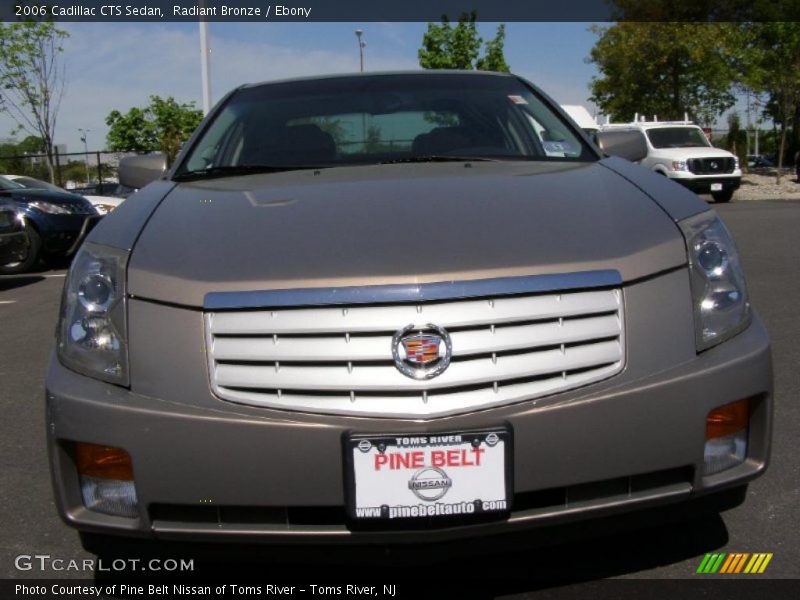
[{"x": 83, "y": 172}]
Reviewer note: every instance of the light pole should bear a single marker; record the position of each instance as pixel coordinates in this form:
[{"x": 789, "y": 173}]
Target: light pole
[
  {"x": 84, "y": 133},
  {"x": 205, "y": 67},
  {"x": 361, "y": 45}
]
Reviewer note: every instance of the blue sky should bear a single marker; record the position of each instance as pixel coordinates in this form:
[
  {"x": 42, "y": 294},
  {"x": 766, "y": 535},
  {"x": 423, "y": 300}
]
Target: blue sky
[{"x": 118, "y": 65}]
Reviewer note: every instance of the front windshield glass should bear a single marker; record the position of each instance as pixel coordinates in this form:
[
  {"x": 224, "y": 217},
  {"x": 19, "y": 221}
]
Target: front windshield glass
[
  {"x": 37, "y": 184},
  {"x": 358, "y": 120},
  {"x": 677, "y": 137},
  {"x": 7, "y": 184}
]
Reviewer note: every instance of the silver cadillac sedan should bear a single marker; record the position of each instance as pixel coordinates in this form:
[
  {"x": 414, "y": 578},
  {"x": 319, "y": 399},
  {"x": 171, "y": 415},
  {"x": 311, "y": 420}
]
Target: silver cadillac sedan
[{"x": 396, "y": 307}]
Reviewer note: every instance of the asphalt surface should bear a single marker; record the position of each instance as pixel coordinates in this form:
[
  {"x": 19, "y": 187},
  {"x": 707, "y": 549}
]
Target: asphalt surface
[{"x": 767, "y": 234}]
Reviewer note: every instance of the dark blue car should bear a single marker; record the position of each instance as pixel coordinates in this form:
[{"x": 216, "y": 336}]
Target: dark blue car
[{"x": 55, "y": 222}]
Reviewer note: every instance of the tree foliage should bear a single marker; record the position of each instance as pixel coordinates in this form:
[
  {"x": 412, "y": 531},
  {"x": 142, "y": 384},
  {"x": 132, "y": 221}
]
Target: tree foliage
[
  {"x": 14, "y": 162},
  {"x": 32, "y": 79},
  {"x": 770, "y": 63},
  {"x": 704, "y": 11},
  {"x": 162, "y": 125},
  {"x": 445, "y": 46},
  {"x": 664, "y": 69}
]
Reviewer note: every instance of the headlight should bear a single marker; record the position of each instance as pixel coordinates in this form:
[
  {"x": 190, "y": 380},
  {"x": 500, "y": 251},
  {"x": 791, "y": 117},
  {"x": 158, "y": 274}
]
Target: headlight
[
  {"x": 92, "y": 332},
  {"x": 735, "y": 163},
  {"x": 104, "y": 209},
  {"x": 679, "y": 165},
  {"x": 721, "y": 305},
  {"x": 49, "y": 208}
]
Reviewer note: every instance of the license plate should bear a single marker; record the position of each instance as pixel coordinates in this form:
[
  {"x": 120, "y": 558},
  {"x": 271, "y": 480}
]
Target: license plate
[
  {"x": 412, "y": 476},
  {"x": 716, "y": 187}
]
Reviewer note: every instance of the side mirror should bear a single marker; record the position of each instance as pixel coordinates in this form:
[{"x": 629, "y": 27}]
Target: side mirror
[
  {"x": 630, "y": 145},
  {"x": 137, "y": 171}
]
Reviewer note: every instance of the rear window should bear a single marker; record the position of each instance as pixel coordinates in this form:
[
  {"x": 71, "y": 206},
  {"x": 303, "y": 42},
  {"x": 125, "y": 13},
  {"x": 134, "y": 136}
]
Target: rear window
[{"x": 375, "y": 119}]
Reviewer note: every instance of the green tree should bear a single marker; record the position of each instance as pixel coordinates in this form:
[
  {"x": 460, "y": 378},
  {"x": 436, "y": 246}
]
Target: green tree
[
  {"x": 445, "y": 46},
  {"x": 770, "y": 63},
  {"x": 32, "y": 79},
  {"x": 493, "y": 58},
  {"x": 162, "y": 125},
  {"x": 664, "y": 69},
  {"x": 20, "y": 164}
]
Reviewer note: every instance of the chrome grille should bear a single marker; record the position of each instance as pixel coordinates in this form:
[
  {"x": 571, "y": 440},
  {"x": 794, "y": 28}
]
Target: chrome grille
[
  {"x": 338, "y": 360},
  {"x": 711, "y": 166}
]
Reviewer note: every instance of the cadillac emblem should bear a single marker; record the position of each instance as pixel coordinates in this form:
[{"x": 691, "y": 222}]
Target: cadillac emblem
[{"x": 422, "y": 353}]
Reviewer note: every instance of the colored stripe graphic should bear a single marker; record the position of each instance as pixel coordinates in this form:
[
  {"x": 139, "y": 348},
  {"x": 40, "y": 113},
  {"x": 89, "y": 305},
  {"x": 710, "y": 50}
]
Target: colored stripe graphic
[
  {"x": 752, "y": 563},
  {"x": 711, "y": 563},
  {"x": 702, "y": 567},
  {"x": 732, "y": 560},
  {"x": 765, "y": 563},
  {"x": 734, "y": 563},
  {"x": 717, "y": 563},
  {"x": 741, "y": 562}
]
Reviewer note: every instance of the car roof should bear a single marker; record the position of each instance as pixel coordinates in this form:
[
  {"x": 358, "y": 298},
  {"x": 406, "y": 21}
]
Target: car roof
[
  {"x": 650, "y": 125},
  {"x": 419, "y": 73}
]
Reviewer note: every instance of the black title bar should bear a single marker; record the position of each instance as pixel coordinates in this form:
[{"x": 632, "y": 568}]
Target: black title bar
[{"x": 400, "y": 10}]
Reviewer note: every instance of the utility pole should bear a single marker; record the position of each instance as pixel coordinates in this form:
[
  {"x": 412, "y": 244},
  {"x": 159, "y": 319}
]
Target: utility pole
[
  {"x": 205, "y": 67},
  {"x": 84, "y": 134}
]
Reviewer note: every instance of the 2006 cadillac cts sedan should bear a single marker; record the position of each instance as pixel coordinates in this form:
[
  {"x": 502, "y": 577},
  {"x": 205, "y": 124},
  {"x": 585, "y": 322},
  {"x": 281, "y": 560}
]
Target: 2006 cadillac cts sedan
[{"x": 396, "y": 307}]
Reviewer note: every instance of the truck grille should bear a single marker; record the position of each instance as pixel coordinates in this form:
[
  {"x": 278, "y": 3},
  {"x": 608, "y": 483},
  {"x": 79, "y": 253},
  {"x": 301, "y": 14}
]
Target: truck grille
[
  {"x": 338, "y": 360},
  {"x": 711, "y": 166}
]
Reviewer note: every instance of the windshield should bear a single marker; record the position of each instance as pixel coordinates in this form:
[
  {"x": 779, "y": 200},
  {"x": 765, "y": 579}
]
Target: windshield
[
  {"x": 357, "y": 120},
  {"x": 677, "y": 137},
  {"x": 7, "y": 184},
  {"x": 37, "y": 184}
]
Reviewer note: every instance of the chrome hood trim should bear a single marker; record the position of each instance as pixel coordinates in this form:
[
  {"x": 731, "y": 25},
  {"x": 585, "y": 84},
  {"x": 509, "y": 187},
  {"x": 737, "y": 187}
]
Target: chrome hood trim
[{"x": 397, "y": 293}]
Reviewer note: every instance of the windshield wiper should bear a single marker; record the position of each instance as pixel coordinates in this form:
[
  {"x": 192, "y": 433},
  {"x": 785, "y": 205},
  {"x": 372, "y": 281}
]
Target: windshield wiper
[
  {"x": 227, "y": 171},
  {"x": 423, "y": 158}
]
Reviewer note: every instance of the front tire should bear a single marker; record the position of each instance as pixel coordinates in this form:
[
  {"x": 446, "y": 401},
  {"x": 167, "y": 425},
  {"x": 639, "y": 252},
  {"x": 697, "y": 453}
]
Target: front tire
[
  {"x": 722, "y": 197},
  {"x": 34, "y": 251}
]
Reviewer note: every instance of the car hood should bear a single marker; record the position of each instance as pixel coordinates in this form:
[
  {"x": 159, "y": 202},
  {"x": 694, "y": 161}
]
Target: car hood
[
  {"x": 402, "y": 223},
  {"x": 692, "y": 152}
]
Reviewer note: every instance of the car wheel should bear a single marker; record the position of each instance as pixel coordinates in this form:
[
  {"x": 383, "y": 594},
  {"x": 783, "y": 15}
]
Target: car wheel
[
  {"x": 34, "y": 249},
  {"x": 722, "y": 196}
]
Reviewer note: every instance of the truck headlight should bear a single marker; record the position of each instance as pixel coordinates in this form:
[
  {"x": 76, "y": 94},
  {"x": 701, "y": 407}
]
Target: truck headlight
[
  {"x": 92, "y": 332},
  {"x": 679, "y": 165},
  {"x": 719, "y": 293}
]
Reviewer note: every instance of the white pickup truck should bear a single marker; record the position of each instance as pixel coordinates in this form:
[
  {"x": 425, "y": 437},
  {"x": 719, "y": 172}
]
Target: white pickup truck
[{"x": 680, "y": 150}]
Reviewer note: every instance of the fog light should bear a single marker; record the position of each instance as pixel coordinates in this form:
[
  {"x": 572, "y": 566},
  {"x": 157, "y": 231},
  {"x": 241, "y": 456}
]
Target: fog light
[
  {"x": 106, "y": 478},
  {"x": 726, "y": 437},
  {"x": 110, "y": 497}
]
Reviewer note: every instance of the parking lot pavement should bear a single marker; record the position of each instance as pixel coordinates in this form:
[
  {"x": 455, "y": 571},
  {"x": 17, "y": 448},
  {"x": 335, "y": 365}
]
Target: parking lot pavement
[{"x": 766, "y": 233}]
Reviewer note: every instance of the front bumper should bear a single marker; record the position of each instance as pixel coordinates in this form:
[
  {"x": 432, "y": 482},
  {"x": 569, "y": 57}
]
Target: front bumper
[
  {"x": 63, "y": 234},
  {"x": 701, "y": 184},
  {"x": 13, "y": 247},
  {"x": 208, "y": 470}
]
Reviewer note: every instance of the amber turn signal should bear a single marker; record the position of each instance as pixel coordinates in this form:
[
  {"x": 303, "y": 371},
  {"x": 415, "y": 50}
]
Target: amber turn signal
[
  {"x": 727, "y": 420},
  {"x": 103, "y": 462}
]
